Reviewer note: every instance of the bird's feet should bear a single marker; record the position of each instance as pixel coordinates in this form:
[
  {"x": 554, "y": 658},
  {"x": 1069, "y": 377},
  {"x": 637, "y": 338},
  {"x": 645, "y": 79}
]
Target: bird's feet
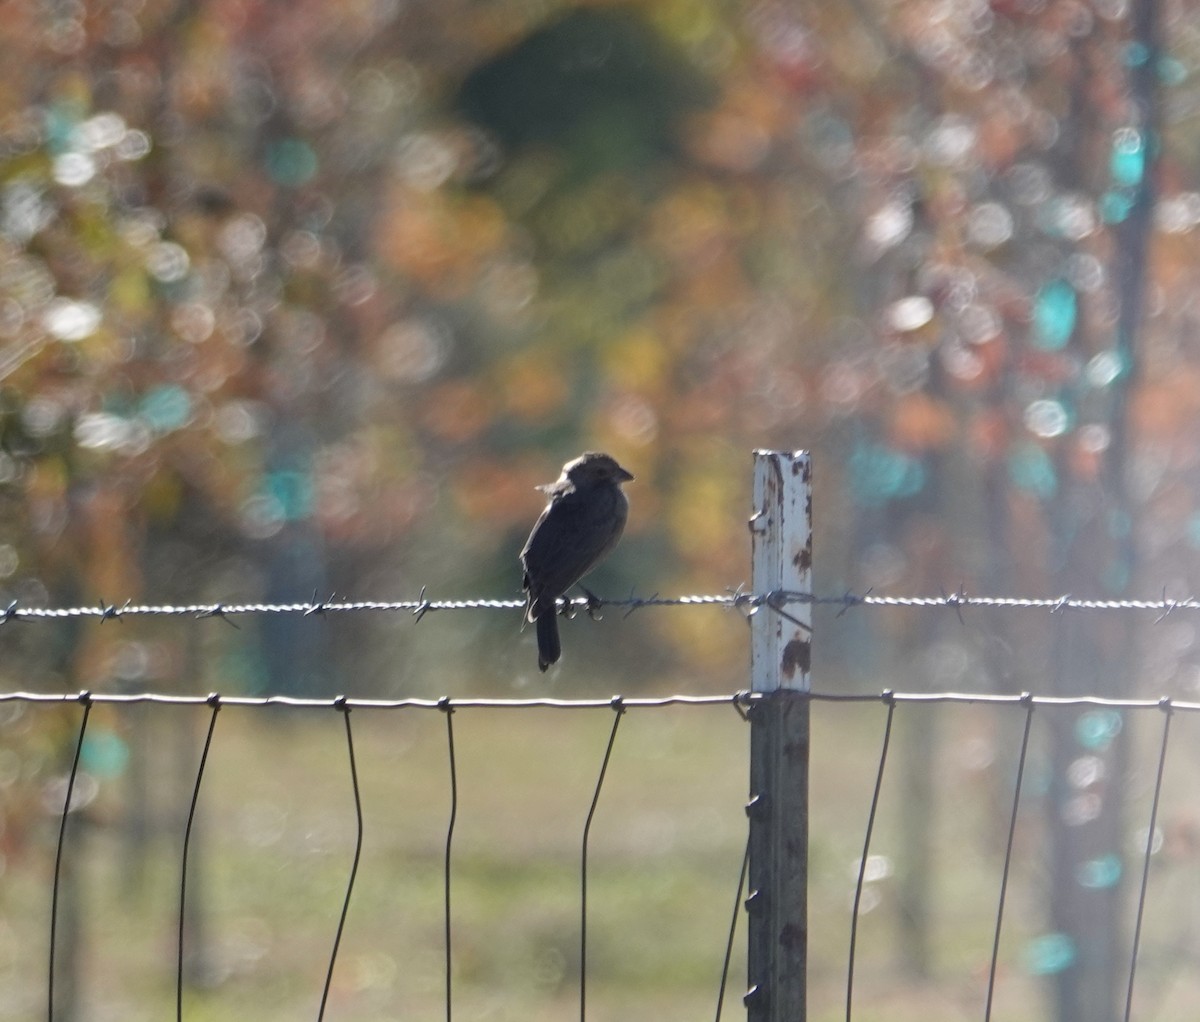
[{"x": 594, "y": 603}]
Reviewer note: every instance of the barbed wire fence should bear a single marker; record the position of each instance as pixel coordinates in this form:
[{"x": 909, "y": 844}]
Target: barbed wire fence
[{"x": 780, "y": 613}]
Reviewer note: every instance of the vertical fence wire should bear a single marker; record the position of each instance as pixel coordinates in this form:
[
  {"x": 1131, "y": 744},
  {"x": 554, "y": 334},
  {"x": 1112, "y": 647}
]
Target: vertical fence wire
[
  {"x": 1027, "y": 699},
  {"x": 862, "y": 863},
  {"x": 85, "y": 698},
  {"x": 448, "y": 710},
  {"x": 619, "y": 711},
  {"x": 340, "y": 703},
  {"x": 214, "y": 701},
  {"x": 1165, "y": 704},
  {"x": 737, "y": 911}
]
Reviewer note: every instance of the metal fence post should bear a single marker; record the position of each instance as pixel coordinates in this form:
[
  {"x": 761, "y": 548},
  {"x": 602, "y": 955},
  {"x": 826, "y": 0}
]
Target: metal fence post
[{"x": 781, "y": 641}]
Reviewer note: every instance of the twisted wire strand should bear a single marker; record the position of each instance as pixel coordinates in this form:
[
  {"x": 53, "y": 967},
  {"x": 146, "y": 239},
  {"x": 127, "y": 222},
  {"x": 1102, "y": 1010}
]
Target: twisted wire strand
[{"x": 736, "y": 598}]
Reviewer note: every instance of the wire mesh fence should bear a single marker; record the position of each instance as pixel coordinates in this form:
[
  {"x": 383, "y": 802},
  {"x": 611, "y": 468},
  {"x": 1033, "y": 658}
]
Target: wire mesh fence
[{"x": 1015, "y": 768}]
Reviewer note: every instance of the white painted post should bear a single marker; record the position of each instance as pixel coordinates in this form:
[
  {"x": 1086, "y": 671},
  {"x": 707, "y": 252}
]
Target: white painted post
[
  {"x": 780, "y": 662},
  {"x": 781, "y": 550}
]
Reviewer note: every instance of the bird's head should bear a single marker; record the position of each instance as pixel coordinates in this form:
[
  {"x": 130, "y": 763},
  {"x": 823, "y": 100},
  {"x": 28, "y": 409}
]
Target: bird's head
[{"x": 592, "y": 467}]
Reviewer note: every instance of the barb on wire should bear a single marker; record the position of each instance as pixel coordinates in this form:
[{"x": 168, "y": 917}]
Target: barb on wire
[
  {"x": 341, "y": 704},
  {"x": 214, "y": 701},
  {"x": 85, "y": 698},
  {"x": 318, "y": 606},
  {"x": 618, "y": 705},
  {"x": 444, "y": 705},
  {"x": 1027, "y": 699},
  {"x": 862, "y": 863},
  {"x": 1167, "y": 708}
]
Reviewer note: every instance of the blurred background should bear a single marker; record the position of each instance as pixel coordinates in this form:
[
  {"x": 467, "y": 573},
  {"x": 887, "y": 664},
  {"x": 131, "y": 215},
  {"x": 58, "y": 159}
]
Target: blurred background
[{"x": 305, "y": 298}]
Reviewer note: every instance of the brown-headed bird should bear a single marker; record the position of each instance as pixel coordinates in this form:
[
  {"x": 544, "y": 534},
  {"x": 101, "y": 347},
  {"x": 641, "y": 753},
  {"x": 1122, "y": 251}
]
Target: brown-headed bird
[{"x": 581, "y": 523}]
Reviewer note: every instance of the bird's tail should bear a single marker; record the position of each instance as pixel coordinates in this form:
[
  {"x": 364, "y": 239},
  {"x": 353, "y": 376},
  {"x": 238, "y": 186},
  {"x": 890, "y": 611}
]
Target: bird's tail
[{"x": 549, "y": 648}]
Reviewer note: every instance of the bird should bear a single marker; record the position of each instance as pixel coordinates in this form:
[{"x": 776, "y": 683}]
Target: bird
[{"x": 582, "y": 521}]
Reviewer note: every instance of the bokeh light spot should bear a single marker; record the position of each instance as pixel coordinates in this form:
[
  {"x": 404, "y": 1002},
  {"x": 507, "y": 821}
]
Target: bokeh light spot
[
  {"x": 1100, "y": 873},
  {"x": 291, "y": 162},
  {"x": 879, "y": 474},
  {"x": 1127, "y": 161},
  {"x": 104, "y": 753},
  {"x": 909, "y": 313},
  {"x": 1096, "y": 729},
  {"x": 69, "y": 320},
  {"x": 989, "y": 225},
  {"x": 166, "y": 408},
  {"x": 1055, "y": 310},
  {"x": 1103, "y": 369},
  {"x": 1030, "y": 469},
  {"x": 1050, "y": 954},
  {"x": 1047, "y": 418},
  {"x": 73, "y": 169},
  {"x": 168, "y": 262}
]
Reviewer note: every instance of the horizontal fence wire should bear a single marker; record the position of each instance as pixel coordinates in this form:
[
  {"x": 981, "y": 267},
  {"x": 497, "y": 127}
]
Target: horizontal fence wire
[
  {"x": 734, "y": 599},
  {"x": 741, "y": 699}
]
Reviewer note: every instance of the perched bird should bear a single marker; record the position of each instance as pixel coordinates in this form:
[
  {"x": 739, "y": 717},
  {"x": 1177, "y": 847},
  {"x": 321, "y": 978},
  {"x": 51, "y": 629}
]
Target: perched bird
[{"x": 581, "y": 523}]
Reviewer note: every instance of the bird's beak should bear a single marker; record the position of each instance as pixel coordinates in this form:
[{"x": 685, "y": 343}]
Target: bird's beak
[{"x": 623, "y": 476}]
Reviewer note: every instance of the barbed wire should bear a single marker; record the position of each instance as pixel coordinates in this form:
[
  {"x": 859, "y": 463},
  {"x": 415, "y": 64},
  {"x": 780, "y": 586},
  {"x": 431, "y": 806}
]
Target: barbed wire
[{"x": 734, "y": 599}]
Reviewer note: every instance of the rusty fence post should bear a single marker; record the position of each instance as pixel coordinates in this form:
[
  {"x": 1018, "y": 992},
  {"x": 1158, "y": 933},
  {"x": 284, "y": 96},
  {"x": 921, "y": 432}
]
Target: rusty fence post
[{"x": 781, "y": 641}]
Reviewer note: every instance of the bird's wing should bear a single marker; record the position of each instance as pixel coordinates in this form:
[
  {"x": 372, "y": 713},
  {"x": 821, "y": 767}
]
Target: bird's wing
[{"x": 573, "y": 532}]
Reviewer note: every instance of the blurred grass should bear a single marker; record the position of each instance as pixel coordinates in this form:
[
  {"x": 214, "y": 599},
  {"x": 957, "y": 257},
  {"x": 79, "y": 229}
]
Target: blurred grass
[{"x": 276, "y": 833}]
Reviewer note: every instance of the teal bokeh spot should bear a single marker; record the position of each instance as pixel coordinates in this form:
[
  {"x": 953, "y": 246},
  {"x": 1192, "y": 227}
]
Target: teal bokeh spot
[
  {"x": 1055, "y": 310},
  {"x": 1115, "y": 206},
  {"x": 1096, "y": 729},
  {"x": 60, "y": 121},
  {"x": 1172, "y": 71},
  {"x": 1050, "y": 954},
  {"x": 166, "y": 408},
  {"x": 104, "y": 753},
  {"x": 293, "y": 491},
  {"x": 291, "y": 161},
  {"x": 1193, "y": 530},
  {"x": 1136, "y": 54},
  {"x": 879, "y": 474},
  {"x": 1030, "y": 468},
  {"x": 1100, "y": 873},
  {"x": 1128, "y": 159}
]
